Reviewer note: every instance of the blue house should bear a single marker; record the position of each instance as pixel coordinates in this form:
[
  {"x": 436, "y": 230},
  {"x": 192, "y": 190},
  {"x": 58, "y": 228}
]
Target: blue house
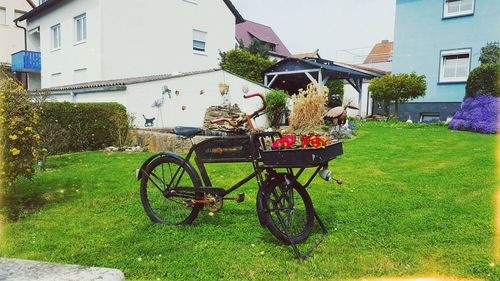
[{"x": 441, "y": 39}]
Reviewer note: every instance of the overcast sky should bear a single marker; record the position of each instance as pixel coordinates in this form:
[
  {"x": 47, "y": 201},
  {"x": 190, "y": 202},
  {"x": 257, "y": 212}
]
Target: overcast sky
[{"x": 328, "y": 25}]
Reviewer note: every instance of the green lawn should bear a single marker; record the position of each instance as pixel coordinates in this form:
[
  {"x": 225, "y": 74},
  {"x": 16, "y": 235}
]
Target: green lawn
[{"x": 415, "y": 201}]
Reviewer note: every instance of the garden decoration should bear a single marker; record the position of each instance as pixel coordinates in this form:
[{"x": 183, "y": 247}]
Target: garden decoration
[
  {"x": 149, "y": 122},
  {"x": 173, "y": 191},
  {"x": 338, "y": 115}
]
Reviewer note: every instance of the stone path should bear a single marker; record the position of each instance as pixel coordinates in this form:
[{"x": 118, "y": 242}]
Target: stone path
[{"x": 25, "y": 270}]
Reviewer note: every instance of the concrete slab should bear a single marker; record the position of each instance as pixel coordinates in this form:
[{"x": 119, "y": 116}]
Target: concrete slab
[{"x": 24, "y": 270}]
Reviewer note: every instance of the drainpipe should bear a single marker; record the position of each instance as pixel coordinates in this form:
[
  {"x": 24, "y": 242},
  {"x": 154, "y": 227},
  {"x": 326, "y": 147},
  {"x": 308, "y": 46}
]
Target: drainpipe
[{"x": 25, "y": 47}]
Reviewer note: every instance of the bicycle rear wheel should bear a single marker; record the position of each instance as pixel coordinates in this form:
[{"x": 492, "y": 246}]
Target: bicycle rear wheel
[
  {"x": 287, "y": 209},
  {"x": 161, "y": 202}
]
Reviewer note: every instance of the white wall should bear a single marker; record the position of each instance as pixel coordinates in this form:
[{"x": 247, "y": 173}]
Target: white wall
[
  {"x": 138, "y": 98},
  {"x": 11, "y": 37},
  {"x": 351, "y": 94},
  {"x": 70, "y": 56},
  {"x": 156, "y": 36}
]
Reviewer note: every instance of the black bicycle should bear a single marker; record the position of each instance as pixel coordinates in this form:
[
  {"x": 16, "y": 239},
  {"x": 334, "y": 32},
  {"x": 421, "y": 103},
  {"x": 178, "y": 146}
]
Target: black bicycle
[{"x": 172, "y": 191}]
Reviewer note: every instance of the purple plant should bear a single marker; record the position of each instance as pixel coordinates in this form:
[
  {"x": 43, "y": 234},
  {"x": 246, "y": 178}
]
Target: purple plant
[{"x": 479, "y": 114}]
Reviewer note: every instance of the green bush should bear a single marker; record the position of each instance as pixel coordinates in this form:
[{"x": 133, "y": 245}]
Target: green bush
[
  {"x": 336, "y": 94},
  {"x": 276, "y": 106},
  {"x": 18, "y": 136},
  {"x": 245, "y": 64},
  {"x": 68, "y": 127},
  {"x": 484, "y": 79}
]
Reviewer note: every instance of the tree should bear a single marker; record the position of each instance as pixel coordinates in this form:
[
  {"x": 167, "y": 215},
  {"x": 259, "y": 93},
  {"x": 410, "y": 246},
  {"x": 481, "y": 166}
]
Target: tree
[
  {"x": 245, "y": 64},
  {"x": 398, "y": 88},
  {"x": 336, "y": 94},
  {"x": 257, "y": 47},
  {"x": 490, "y": 54}
]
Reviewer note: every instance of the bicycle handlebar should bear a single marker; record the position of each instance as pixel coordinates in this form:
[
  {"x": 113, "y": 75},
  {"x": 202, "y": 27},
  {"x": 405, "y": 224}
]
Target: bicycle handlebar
[{"x": 247, "y": 119}]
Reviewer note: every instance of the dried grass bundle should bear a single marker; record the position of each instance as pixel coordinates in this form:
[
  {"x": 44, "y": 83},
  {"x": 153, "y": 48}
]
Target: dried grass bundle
[{"x": 309, "y": 108}]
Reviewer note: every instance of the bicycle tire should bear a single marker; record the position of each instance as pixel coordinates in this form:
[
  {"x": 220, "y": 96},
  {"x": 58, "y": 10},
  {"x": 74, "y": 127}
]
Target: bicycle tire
[{"x": 169, "y": 210}]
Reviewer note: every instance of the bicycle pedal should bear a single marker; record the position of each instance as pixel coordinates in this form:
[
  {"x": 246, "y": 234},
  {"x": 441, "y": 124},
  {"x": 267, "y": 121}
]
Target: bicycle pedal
[{"x": 241, "y": 198}]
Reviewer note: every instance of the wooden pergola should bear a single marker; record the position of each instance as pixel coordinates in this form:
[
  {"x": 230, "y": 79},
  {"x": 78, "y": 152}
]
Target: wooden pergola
[{"x": 292, "y": 74}]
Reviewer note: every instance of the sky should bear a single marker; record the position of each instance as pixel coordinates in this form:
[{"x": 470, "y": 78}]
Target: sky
[{"x": 336, "y": 27}]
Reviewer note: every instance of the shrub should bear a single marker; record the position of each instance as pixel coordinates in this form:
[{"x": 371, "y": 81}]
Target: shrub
[
  {"x": 18, "y": 136},
  {"x": 336, "y": 94},
  {"x": 490, "y": 54},
  {"x": 308, "y": 108},
  {"x": 245, "y": 64},
  {"x": 477, "y": 114},
  {"x": 276, "y": 106},
  {"x": 398, "y": 88},
  {"x": 484, "y": 79},
  {"x": 70, "y": 127}
]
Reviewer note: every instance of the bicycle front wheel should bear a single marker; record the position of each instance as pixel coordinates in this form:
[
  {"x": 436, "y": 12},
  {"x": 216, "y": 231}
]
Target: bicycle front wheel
[
  {"x": 162, "y": 201},
  {"x": 287, "y": 209}
]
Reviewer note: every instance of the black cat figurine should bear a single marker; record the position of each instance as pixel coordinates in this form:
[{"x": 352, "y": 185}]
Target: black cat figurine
[{"x": 149, "y": 121}]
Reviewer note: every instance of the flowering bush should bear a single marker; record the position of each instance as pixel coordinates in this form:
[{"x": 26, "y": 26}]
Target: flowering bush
[
  {"x": 311, "y": 140},
  {"x": 18, "y": 137},
  {"x": 478, "y": 114}
]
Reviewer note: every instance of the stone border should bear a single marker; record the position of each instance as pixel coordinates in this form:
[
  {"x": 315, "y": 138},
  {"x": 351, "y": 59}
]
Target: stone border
[{"x": 23, "y": 270}]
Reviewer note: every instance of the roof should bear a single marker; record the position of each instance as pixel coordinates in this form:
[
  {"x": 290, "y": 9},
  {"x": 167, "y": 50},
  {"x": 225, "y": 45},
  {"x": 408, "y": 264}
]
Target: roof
[
  {"x": 289, "y": 74},
  {"x": 126, "y": 81},
  {"x": 52, "y": 3},
  {"x": 366, "y": 68},
  {"x": 381, "y": 52},
  {"x": 248, "y": 30},
  {"x": 314, "y": 54}
]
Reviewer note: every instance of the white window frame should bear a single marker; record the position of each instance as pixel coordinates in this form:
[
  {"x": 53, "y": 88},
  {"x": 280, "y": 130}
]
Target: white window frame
[
  {"x": 204, "y": 52},
  {"x": 4, "y": 20},
  {"x": 52, "y": 36},
  {"x": 84, "y": 28},
  {"x": 447, "y": 14},
  {"x": 442, "y": 58}
]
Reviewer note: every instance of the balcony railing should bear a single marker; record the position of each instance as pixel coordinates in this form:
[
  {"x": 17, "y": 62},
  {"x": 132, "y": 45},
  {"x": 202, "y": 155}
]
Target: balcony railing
[{"x": 27, "y": 61}]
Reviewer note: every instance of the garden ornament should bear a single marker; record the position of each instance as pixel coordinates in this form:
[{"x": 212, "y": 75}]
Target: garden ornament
[
  {"x": 149, "y": 122},
  {"x": 338, "y": 115}
]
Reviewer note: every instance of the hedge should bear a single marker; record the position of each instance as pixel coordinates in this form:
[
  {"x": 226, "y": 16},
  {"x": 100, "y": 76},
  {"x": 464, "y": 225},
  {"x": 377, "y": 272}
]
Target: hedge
[
  {"x": 484, "y": 79},
  {"x": 69, "y": 127}
]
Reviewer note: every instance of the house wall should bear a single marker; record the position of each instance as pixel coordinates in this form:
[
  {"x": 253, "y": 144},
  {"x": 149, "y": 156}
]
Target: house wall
[
  {"x": 421, "y": 34},
  {"x": 156, "y": 37},
  {"x": 70, "y": 56},
  {"x": 138, "y": 98},
  {"x": 11, "y": 37}
]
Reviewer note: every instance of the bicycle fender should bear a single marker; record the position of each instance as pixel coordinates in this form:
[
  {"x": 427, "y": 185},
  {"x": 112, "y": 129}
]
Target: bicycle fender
[{"x": 140, "y": 172}]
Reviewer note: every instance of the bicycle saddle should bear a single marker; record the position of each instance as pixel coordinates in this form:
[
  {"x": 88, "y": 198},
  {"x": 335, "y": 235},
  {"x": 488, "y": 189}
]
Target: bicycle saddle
[{"x": 187, "y": 132}]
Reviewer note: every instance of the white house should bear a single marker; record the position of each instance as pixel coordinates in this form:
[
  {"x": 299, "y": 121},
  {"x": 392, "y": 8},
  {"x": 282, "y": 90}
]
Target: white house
[
  {"x": 132, "y": 51},
  {"x": 11, "y": 36},
  {"x": 90, "y": 40}
]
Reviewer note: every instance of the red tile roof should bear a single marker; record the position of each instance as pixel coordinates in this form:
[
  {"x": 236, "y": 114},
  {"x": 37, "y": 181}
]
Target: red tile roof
[
  {"x": 248, "y": 30},
  {"x": 381, "y": 52}
]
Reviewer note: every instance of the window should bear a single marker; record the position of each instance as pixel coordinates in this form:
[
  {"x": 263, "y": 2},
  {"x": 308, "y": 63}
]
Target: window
[
  {"x": 199, "y": 41},
  {"x": 56, "y": 36},
  {"x": 80, "y": 75},
  {"x": 3, "y": 16},
  {"x": 455, "y": 65},
  {"x": 56, "y": 79},
  {"x": 429, "y": 117},
  {"x": 81, "y": 28},
  {"x": 456, "y": 8}
]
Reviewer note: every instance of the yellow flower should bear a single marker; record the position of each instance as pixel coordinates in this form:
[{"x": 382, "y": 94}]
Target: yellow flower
[
  {"x": 44, "y": 149},
  {"x": 15, "y": 151},
  {"x": 13, "y": 137},
  {"x": 36, "y": 137},
  {"x": 28, "y": 129}
]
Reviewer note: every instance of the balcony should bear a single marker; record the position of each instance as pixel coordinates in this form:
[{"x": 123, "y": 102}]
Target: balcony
[{"x": 27, "y": 61}]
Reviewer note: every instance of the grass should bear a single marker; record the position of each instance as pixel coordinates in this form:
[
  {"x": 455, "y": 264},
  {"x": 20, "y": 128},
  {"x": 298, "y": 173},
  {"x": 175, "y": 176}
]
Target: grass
[{"x": 416, "y": 201}]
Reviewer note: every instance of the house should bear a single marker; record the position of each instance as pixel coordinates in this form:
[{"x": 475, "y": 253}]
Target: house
[
  {"x": 132, "y": 51},
  {"x": 442, "y": 40},
  {"x": 380, "y": 56},
  {"x": 248, "y": 30},
  {"x": 12, "y": 37}
]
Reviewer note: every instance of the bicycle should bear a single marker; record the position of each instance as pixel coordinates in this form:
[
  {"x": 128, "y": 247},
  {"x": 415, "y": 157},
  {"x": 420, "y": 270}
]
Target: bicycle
[{"x": 173, "y": 193}]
